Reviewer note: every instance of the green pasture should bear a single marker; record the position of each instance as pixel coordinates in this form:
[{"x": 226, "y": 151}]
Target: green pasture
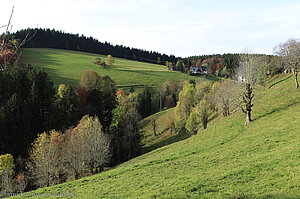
[
  {"x": 227, "y": 160},
  {"x": 66, "y": 67}
]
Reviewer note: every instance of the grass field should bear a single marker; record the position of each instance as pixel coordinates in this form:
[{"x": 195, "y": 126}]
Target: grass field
[
  {"x": 164, "y": 135},
  {"x": 227, "y": 160},
  {"x": 66, "y": 67}
]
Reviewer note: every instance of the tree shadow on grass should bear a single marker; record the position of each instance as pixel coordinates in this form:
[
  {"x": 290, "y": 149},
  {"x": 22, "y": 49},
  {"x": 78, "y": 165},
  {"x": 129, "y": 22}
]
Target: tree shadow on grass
[
  {"x": 276, "y": 110},
  {"x": 170, "y": 140},
  {"x": 279, "y": 81},
  {"x": 57, "y": 78},
  {"x": 46, "y": 61}
]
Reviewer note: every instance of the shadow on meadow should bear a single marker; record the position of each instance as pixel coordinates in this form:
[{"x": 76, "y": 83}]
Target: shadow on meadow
[
  {"x": 285, "y": 107},
  {"x": 280, "y": 81},
  {"x": 170, "y": 140}
]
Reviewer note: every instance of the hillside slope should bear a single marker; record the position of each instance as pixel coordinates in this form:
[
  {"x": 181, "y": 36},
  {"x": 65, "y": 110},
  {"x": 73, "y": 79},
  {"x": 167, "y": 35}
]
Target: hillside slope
[
  {"x": 66, "y": 67},
  {"x": 163, "y": 136},
  {"x": 227, "y": 160}
]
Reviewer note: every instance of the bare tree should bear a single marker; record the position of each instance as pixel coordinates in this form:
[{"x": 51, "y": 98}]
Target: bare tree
[
  {"x": 247, "y": 75},
  {"x": 225, "y": 96},
  {"x": 10, "y": 48},
  {"x": 289, "y": 53},
  {"x": 154, "y": 125}
]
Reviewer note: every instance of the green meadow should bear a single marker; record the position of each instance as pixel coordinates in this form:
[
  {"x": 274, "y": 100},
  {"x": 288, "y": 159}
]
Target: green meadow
[
  {"x": 227, "y": 160},
  {"x": 66, "y": 67}
]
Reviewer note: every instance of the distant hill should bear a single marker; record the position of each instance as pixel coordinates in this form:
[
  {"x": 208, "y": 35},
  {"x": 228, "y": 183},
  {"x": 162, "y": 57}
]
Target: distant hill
[
  {"x": 66, "y": 67},
  {"x": 227, "y": 160},
  {"x": 50, "y": 38}
]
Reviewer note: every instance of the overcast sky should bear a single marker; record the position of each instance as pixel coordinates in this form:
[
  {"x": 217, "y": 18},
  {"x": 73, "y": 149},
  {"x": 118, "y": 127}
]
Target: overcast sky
[{"x": 179, "y": 27}]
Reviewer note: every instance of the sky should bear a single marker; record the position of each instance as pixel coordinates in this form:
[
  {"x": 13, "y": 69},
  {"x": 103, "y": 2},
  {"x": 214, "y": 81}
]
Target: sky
[{"x": 179, "y": 27}]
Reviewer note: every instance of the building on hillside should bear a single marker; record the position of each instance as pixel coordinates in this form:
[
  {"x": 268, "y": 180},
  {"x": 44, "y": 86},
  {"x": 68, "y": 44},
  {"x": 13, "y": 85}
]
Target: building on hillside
[
  {"x": 195, "y": 70},
  {"x": 198, "y": 70}
]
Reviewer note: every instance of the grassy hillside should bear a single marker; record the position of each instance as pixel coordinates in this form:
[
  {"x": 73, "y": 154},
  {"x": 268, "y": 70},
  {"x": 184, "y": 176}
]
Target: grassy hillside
[
  {"x": 227, "y": 160},
  {"x": 163, "y": 136},
  {"x": 67, "y": 67}
]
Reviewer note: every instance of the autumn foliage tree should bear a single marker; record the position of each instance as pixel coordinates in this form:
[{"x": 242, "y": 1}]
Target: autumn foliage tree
[
  {"x": 109, "y": 61},
  {"x": 91, "y": 80},
  {"x": 9, "y": 46},
  {"x": 101, "y": 96},
  {"x": 96, "y": 144},
  {"x": 6, "y": 174},
  {"x": 46, "y": 158},
  {"x": 184, "y": 105},
  {"x": 86, "y": 147},
  {"x": 61, "y": 90}
]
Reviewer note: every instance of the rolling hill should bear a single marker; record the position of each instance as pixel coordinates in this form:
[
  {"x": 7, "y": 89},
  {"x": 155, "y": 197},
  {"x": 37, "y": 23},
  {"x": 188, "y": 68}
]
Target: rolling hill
[
  {"x": 64, "y": 66},
  {"x": 227, "y": 160}
]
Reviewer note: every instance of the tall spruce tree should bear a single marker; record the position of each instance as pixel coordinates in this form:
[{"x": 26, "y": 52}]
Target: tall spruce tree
[
  {"x": 145, "y": 100},
  {"x": 247, "y": 100},
  {"x": 68, "y": 108}
]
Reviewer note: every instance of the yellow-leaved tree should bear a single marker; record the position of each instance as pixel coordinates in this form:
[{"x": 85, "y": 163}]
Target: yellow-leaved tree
[
  {"x": 61, "y": 90},
  {"x": 109, "y": 61},
  {"x": 6, "y": 174},
  {"x": 45, "y": 159}
]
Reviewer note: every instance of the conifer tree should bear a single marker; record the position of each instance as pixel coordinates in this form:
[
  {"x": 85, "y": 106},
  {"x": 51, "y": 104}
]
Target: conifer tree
[{"x": 247, "y": 100}]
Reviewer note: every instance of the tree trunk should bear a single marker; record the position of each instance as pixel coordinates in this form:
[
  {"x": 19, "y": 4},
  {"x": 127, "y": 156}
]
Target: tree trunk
[
  {"x": 205, "y": 120},
  {"x": 296, "y": 80},
  {"x": 248, "y": 117},
  {"x": 76, "y": 175}
]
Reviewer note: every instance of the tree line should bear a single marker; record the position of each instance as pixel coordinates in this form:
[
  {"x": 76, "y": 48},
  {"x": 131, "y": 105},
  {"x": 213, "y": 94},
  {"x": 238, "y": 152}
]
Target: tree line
[{"x": 50, "y": 38}]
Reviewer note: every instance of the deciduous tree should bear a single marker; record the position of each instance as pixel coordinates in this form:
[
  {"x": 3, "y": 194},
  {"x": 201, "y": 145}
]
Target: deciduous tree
[
  {"x": 225, "y": 96},
  {"x": 96, "y": 144},
  {"x": 45, "y": 159},
  {"x": 184, "y": 105},
  {"x": 109, "y": 61},
  {"x": 289, "y": 53},
  {"x": 6, "y": 174}
]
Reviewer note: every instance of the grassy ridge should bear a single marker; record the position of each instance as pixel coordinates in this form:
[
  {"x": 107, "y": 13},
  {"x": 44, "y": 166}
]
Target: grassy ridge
[
  {"x": 227, "y": 160},
  {"x": 66, "y": 67}
]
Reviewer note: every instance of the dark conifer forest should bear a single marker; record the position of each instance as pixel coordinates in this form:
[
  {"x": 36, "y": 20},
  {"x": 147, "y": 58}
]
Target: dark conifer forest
[{"x": 50, "y": 38}]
